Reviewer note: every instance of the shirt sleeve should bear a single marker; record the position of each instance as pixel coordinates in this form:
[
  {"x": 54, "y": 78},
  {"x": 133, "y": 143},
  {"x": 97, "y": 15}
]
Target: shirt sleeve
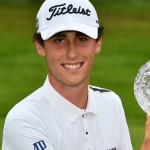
[{"x": 25, "y": 134}]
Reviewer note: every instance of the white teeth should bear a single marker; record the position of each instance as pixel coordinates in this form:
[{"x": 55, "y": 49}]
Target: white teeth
[{"x": 72, "y": 66}]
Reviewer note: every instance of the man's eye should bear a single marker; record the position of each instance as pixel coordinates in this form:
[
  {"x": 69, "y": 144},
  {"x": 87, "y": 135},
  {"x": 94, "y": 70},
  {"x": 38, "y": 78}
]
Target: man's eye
[
  {"x": 82, "y": 39},
  {"x": 59, "y": 41}
]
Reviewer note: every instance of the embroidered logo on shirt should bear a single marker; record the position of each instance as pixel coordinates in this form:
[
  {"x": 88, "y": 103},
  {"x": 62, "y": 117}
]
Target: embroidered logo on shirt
[
  {"x": 40, "y": 145},
  {"x": 112, "y": 148}
]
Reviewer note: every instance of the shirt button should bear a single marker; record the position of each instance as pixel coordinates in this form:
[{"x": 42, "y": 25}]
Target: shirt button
[
  {"x": 82, "y": 116},
  {"x": 86, "y": 133}
]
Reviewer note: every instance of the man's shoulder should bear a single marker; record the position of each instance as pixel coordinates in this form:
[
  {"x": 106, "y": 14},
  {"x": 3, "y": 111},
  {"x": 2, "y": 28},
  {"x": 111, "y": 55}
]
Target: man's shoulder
[
  {"x": 105, "y": 95},
  {"x": 26, "y": 107},
  {"x": 106, "y": 100}
]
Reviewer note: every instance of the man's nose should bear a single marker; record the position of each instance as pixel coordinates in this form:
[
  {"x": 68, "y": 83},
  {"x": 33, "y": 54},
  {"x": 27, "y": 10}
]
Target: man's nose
[{"x": 72, "y": 50}]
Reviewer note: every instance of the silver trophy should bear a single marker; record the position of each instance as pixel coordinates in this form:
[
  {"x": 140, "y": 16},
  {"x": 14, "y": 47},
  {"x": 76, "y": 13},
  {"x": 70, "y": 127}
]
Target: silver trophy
[{"x": 142, "y": 87}]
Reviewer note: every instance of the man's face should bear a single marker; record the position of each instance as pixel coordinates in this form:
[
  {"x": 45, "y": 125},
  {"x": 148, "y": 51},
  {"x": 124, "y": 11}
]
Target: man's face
[{"x": 69, "y": 57}]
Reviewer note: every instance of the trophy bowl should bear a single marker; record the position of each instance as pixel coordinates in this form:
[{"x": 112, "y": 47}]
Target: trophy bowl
[{"x": 142, "y": 87}]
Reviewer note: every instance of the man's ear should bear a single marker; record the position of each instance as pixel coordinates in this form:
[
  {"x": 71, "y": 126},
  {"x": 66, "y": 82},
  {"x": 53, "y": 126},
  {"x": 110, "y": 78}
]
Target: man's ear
[
  {"x": 40, "y": 49},
  {"x": 98, "y": 45}
]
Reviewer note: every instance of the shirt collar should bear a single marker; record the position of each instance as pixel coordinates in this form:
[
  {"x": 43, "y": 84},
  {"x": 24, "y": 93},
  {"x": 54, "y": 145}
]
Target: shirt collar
[
  {"x": 63, "y": 106},
  {"x": 91, "y": 104}
]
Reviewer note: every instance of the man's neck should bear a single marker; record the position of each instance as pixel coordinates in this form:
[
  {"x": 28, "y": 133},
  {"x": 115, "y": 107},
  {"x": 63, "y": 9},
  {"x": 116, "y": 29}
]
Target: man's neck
[{"x": 76, "y": 95}]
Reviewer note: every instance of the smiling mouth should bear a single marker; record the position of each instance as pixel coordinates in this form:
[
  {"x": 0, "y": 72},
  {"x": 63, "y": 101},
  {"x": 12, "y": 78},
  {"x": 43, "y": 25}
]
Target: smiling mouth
[{"x": 72, "y": 66}]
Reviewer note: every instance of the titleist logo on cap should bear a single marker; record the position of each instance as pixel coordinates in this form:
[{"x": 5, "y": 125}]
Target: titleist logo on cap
[{"x": 64, "y": 9}]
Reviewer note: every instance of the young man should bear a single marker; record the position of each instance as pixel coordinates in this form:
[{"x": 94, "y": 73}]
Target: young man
[{"x": 66, "y": 113}]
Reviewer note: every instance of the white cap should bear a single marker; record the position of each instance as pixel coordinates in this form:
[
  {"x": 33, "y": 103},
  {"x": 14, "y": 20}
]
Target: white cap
[{"x": 56, "y": 16}]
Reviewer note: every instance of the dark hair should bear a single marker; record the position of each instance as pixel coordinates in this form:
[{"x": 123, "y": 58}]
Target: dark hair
[{"x": 37, "y": 36}]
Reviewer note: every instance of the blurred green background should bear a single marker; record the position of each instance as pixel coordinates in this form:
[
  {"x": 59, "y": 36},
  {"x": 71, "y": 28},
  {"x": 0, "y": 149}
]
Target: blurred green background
[{"x": 126, "y": 47}]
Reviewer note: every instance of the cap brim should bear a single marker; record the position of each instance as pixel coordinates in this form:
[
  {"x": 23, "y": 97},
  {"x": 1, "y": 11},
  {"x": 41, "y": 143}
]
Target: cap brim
[{"x": 90, "y": 31}]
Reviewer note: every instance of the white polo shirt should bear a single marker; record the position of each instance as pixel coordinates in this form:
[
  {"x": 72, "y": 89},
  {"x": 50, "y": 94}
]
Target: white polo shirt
[{"x": 47, "y": 121}]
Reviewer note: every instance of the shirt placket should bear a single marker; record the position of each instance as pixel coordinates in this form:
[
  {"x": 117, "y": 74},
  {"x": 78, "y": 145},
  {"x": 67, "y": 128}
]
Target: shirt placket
[{"x": 87, "y": 135}]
